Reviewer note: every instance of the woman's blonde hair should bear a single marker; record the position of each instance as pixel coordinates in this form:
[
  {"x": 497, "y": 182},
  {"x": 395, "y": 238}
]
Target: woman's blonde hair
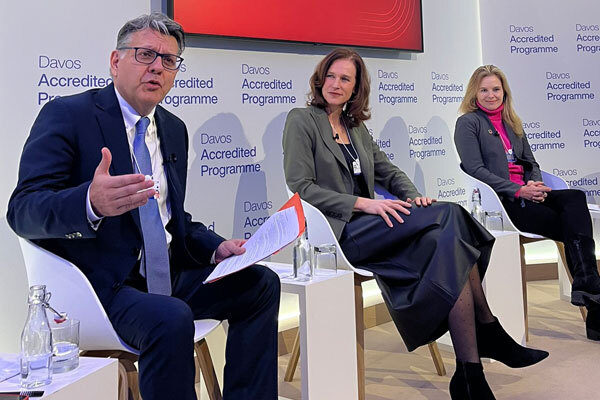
[{"x": 469, "y": 103}]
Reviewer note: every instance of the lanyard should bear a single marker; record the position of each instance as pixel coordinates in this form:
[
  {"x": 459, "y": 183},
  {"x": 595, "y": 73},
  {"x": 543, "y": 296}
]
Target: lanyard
[{"x": 510, "y": 156}]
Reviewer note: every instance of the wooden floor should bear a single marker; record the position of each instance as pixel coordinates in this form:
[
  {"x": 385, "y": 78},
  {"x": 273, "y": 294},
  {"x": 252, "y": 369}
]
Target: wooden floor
[{"x": 571, "y": 372}]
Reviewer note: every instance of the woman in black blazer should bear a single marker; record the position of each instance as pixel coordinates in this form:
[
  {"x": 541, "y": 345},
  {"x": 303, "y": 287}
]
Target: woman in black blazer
[
  {"x": 423, "y": 253},
  {"x": 493, "y": 148}
]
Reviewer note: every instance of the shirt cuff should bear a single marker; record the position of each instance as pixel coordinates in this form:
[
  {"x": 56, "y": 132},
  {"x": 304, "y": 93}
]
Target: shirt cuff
[
  {"x": 212, "y": 258},
  {"x": 93, "y": 219},
  {"x": 518, "y": 193}
]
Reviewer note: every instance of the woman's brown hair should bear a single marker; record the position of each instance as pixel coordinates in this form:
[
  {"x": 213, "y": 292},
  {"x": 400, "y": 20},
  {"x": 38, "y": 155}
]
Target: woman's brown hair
[{"x": 356, "y": 109}]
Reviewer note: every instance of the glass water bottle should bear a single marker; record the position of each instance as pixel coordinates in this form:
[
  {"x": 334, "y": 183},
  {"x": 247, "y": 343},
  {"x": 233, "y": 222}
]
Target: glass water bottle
[
  {"x": 477, "y": 211},
  {"x": 302, "y": 257},
  {"x": 36, "y": 342}
]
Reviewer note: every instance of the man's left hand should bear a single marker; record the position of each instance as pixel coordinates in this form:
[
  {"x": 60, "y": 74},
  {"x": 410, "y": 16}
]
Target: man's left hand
[{"x": 231, "y": 247}]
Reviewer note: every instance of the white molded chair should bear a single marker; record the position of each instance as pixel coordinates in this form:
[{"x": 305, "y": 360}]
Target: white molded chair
[
  {"x": 320, "y": 232},
  {"x": 491, "y": 202},
  {"x": 73, "y": 293}
]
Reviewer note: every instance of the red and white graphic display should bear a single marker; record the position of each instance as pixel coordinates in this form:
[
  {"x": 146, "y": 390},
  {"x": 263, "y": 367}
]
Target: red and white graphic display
[{"x": 394, "y": 24}]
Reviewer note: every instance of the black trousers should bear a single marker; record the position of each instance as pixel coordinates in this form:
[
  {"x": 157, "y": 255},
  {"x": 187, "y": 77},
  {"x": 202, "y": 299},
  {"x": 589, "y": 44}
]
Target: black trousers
[
  {"x": 563, "y": 216},
  {"x": 162, "y": 328}
]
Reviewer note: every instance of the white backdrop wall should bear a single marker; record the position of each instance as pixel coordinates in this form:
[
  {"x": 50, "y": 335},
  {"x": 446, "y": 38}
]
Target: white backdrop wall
[
  {"x": 551, "y": 56},
  {"x": 414, "y": 101}
]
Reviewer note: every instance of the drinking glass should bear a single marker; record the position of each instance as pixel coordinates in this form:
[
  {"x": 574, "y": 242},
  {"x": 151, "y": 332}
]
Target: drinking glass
[
  {"x": 325, "y": 258},
  {"x": 65, "y": 345},
  {"x": 493, "y": 221}
]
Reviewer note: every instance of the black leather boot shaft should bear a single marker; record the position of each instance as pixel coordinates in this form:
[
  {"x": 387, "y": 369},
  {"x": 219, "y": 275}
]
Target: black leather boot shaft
[
  {"x": 584, "y": 270},
  {"x": 592, "y": 322}
]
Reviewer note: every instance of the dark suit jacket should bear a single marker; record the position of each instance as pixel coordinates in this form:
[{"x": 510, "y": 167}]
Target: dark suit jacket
[
  {"x": 57, "y": 165},
  {"x": 316, "y": 168},
  {"x": 483, "y": 157}
]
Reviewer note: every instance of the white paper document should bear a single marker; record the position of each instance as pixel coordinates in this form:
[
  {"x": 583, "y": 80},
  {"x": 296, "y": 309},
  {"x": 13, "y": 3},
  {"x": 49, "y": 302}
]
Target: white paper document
[{"x": 279, "y": 230}]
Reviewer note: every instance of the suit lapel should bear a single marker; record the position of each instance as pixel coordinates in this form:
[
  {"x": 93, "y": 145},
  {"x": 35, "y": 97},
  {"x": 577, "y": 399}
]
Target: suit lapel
[
  {"x": 514, "y": 141},
  {"x": 167, "y": 149},
  {"x": 366, "y": 158},
  {"x": 324, "y": 128},
  {"x": 111, "y": 123},
  {"x": 491, "y": 130},
  {"x": 112, "y": 126}
]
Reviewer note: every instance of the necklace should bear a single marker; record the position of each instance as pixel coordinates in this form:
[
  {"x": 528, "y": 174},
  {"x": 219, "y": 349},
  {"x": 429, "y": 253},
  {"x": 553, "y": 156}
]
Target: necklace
[{"x": 355, "y": 161}]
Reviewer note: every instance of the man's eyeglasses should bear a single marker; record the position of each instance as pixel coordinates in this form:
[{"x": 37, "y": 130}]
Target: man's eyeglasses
[{"x": 147, "y": 56}]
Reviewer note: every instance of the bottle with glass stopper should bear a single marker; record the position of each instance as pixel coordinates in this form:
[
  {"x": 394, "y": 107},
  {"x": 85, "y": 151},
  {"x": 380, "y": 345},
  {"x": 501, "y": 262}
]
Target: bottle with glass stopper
[
  {"x": 477, "y": 211},
  {"x": 302, "y": 257},
  {"x": 36, "y": 342}
]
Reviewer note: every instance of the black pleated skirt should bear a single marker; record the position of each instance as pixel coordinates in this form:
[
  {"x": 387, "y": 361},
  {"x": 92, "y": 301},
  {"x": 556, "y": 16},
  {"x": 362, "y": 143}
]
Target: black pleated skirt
[{"x": 421, "y": 266}]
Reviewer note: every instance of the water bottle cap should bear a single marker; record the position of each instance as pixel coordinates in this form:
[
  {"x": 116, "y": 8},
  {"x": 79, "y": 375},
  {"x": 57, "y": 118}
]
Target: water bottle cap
[{"x": 37, "y": 294}]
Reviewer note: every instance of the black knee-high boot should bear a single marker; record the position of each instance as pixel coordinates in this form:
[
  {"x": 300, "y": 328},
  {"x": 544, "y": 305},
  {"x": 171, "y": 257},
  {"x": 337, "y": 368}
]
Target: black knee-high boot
[
  {"x": 468, "y": 383},
  {"x": 592, "y": 322},
  {"x": 584, "y": 270},
  {"x": 494, "y": 342}
]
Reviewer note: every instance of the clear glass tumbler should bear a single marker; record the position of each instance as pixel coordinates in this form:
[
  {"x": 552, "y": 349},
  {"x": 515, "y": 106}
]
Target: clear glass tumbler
[
  {"x": 65, "y": 345},
  {"x": 493, "y": 221},
  {"x": 325, "y": 258}
]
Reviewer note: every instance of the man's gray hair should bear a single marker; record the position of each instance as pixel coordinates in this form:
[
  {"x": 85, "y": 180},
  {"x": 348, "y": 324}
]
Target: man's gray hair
[{"x": 156, "y": 21}]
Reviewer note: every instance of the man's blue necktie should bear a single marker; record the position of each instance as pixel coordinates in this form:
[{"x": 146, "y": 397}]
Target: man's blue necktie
[{"x": 155, "y": 257}]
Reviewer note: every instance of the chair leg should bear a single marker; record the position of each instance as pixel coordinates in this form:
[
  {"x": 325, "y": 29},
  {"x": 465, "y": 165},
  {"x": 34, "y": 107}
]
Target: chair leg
[
  {"x": 293, "y": 362},
  {"x": 561, "y": 253},
  {"x": 123, "y": 383},
  {"x": 524, "y": 283},
  {"x": 132, "y": 378},
  {"x": 437, "y": 358},
  {"x": 360, "y": 337},
  {"x": 208, "y": 371},
  {"x": 197, "y": 366}
]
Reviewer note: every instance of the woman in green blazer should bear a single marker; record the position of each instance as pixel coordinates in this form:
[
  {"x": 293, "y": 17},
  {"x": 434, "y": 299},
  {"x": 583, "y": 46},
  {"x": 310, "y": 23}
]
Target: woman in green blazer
[{"x": 423, "y": 253}]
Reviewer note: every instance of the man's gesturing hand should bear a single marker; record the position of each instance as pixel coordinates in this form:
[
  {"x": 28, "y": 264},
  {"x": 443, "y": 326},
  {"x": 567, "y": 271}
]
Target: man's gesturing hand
[{"x": 115, "y": 195}]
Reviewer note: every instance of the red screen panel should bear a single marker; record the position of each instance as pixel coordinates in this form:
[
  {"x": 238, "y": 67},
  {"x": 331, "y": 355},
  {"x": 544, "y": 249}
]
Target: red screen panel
[{"x": 394, "y": 24}]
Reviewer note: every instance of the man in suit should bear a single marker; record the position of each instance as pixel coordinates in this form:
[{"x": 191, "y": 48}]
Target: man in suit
[{"x": 102, "y": 183}]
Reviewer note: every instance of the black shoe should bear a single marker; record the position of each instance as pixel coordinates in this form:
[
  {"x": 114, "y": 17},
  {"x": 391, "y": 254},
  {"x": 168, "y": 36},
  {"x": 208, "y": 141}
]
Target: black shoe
[
  {"x": 494, "y": 342},
  {"x": 468, "y": 383},
  {"x": 592, "y": 322},
  {"x": 581, "y": 257}
]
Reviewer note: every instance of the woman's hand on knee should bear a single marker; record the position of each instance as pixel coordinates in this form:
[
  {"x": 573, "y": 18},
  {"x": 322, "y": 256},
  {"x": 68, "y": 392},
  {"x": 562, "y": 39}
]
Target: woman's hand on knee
[
  {"x": 422, "y": 201},
  {"x": 534, "y": 191},
  {"x": 383, "y": 208}
]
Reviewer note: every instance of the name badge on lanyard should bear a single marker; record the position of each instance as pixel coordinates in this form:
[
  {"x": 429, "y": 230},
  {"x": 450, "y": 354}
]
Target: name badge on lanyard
[
  {"x": 510, "y": 156},
  {"x": 356, "y": 167}
]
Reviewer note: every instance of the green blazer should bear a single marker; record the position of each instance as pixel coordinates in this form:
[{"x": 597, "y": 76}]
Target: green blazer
[{"x": 316, "y": 168}]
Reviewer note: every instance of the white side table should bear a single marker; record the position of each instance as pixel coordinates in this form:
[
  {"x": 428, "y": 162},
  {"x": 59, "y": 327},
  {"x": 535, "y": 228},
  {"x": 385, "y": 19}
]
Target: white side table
[
  {"x": 327, "y": 333},
  {"x": 503, "y": 287},
  {"x": 94, "y": 379}
]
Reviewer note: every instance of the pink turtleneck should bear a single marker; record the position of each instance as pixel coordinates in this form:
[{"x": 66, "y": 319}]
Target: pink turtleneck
[{"x": 515, "y": 171}]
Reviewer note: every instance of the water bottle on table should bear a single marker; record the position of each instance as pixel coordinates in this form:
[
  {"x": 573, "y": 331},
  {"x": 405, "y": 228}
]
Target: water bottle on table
[
  {"x": 477, "y": 211},
  {"x": 302, "y": 258},
  {"x": 36, "y": 342}
]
